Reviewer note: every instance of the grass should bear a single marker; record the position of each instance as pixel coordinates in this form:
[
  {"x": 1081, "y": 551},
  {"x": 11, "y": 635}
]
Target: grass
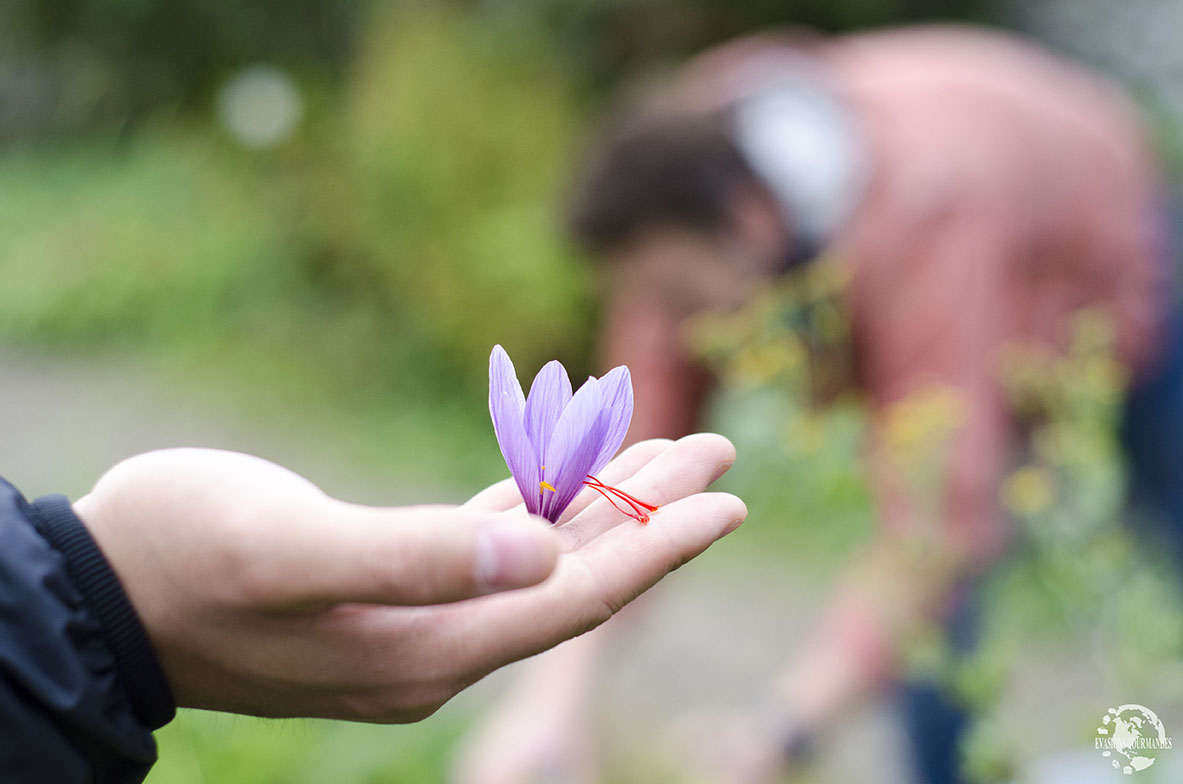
[{"x": 200, "y": 747}]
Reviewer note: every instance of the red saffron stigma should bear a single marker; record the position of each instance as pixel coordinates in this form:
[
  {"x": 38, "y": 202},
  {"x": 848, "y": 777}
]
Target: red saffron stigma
[{"x": 639, "y": 510}]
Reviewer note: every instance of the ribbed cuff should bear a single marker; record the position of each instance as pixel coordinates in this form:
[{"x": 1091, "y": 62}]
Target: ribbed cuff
[{"x": 135, "y": 660}]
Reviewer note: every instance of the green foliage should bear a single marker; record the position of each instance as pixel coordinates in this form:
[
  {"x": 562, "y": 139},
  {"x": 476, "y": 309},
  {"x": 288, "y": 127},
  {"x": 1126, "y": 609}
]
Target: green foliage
[
  {"x": 370, "y": 263},
  {"x": 462, "y": 139},
  {"x": 799, "y": 474},
  {"x": 152, "y": 242},
  {"x": 120, "y": 59},
  {"x": 799, "y": 442},
  {"x": 1080, "y": 571},
  {"x": 1083, "y": 569},
  {"x": 106, "y": 66}
]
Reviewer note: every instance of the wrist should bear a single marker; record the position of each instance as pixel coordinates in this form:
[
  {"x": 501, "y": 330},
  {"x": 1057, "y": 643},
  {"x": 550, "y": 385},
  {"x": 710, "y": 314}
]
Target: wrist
[
  {"x": 104, "y": 595},
  {"x": 790, "y": 731}
]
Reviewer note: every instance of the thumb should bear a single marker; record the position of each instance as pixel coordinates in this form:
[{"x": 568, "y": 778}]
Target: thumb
[{"x": 411, "y": 555}]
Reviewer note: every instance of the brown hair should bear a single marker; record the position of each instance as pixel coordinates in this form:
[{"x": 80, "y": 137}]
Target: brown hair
[{"x": 675, "y": 168}]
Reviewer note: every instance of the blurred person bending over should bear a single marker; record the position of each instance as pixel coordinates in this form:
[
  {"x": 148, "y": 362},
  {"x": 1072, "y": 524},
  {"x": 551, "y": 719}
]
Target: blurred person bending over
[{"x": 978, "y": 192}]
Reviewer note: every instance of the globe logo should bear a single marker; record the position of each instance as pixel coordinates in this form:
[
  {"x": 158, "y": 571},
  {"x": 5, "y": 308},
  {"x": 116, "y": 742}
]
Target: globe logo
[{"x": 1132, "y": 736}]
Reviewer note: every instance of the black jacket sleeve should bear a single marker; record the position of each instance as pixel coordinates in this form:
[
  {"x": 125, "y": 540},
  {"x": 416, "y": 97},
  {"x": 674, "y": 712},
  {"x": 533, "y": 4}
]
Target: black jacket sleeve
[{"x": 80, "y": 688}]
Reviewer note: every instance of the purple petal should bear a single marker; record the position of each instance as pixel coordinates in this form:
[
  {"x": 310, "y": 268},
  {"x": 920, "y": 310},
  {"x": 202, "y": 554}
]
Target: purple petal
[
  {"x": 616, "y": 392},
  {"x": 573, "y": 447},
  {"x": 549, "y": 395},
  {"x": 574, "y": 468},
  {"x": 507, "y": 408}
]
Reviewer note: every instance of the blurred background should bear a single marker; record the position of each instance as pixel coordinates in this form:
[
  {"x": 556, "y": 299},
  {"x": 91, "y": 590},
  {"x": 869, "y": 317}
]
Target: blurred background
[{"x": 296, "y": 228}]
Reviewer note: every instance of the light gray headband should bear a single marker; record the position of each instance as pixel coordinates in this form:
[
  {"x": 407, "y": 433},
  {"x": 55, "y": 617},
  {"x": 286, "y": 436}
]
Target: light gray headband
[{"x": 802, "y": 141}]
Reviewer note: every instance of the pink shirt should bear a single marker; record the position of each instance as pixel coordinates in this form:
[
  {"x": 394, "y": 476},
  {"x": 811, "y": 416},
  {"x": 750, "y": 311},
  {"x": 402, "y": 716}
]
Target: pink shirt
[{"x": 1007, "y": 190}]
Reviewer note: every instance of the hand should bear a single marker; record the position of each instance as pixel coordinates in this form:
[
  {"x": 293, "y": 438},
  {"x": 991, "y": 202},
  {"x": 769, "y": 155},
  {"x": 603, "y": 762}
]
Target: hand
[
  {"x": 262, "y": 595},
  {"x": 739, "y": 747}
]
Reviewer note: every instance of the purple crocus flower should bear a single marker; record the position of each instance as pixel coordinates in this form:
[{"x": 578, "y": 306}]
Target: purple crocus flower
[{"x": 554, "y": 441}]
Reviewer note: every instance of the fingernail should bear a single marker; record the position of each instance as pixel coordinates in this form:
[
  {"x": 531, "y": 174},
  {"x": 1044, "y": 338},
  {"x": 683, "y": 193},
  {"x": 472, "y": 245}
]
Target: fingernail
[
  {"x": 738, "y": 521},
  {"x": 511, "y": 555}
]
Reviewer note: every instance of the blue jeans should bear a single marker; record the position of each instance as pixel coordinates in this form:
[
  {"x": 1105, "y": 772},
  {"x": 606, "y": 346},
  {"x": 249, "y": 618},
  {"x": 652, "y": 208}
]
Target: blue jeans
[{"x": 1152, "y": 434}]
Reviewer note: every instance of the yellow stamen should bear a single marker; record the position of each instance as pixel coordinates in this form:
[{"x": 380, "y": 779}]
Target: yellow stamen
[{"x": 547, "y": 486}]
